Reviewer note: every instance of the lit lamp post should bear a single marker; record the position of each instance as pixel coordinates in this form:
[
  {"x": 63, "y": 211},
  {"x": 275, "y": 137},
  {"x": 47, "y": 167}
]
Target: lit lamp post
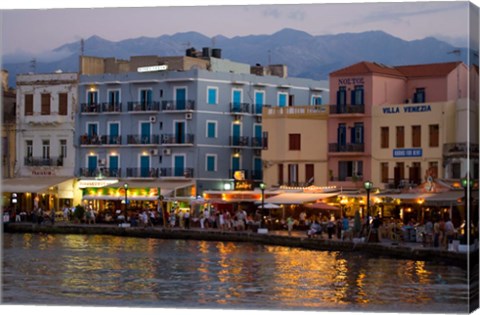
[
  {"x": 125, "y": 186},
  {"x": 467, "y": 184},
  {"x": 368, "y": 186},
  {"x": 262, "y": 188}
]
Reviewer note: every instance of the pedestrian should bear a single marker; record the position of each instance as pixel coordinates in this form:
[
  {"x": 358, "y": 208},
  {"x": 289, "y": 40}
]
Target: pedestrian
[
  {"x": 186, "y": 218},
  {"x": 290, "y": 225},
  {"x": 221, "y": 220},
  {"x": 338, "y": 229},
  {"x": 302, "y": 218},
  {"x": 449, "y": 232},
  {"x": 330, "y": 229}
]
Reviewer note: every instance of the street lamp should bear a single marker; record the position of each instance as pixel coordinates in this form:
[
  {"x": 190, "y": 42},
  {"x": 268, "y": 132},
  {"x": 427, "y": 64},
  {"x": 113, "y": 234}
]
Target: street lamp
[
  {"x": 125, "y": 186},
  {"x": 467, "y": 184},
  {"x": 262, "y": 188},
  {"x": 368, "y": 186}
]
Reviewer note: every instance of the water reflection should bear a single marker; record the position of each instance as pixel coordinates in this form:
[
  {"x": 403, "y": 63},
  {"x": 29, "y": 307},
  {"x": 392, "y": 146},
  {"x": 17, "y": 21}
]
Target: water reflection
[{"x": 115, "y": 271}]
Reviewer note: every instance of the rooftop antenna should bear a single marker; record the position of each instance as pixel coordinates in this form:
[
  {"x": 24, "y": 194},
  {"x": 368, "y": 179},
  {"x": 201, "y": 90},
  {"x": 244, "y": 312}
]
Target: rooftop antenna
[
  {"x": 214, "y": 38},
  {"x": 269, "y": 57}
]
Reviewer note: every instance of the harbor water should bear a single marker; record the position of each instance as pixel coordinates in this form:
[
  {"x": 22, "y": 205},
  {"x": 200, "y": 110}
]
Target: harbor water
[{"x": 99, "y": 270}]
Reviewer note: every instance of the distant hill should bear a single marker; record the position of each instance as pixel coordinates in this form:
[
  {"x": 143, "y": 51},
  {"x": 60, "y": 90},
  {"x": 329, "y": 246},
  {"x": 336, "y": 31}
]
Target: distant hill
[{"x": 306, "y": 55}]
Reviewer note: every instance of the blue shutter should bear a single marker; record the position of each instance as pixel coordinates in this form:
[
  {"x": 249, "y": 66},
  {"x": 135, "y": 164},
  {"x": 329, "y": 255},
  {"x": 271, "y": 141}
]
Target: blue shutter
[
  {"x": 210, "y": 163},
  {"x": 211, "y": 130},
  {"x": 212, "y": 96}
]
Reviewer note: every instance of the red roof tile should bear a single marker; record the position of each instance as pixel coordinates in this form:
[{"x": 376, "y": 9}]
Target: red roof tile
[
  {"x": 366, "y": 67},
  {"x": 428, "y": 70}
]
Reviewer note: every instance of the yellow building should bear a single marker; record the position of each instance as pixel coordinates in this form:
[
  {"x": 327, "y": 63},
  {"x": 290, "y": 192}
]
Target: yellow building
[
  {"x": 8, "y": 128},
  {"x": 295, "y": 151},
  {"x": 408, "y": 142}
]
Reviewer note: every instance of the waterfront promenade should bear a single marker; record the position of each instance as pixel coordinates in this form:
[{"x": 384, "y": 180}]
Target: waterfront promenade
[{"x": 384, "y": 248}]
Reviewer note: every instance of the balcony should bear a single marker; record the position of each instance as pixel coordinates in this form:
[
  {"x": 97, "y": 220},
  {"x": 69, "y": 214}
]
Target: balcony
[
  {"x": 90, "y": 108},
  {"x": 101, "y": 108},
  {"x": 460, "y": 149},
  {"x": 258, "y": 108},
  {"x": 102, "y": 140},
  {"x": 111, "y": 107},
  {"x": 40, "y": 161},
  {"x": 179, "y": 172},
  {"x": 349, "y": 147},
  {"x": 257, "y": 142},
  {"x": 173, "y": 139},
  {"x": 143, "y": 106},
  {"x": 143, "y": 172},
  {"x": 187, "y": 105},
  {"x": 347, "y": 109},
  {"x": 239, "y": 141},
  {"x": 143, "y": 140},
  {"x": 100, "y": 171},
  {"x": 239, "y": 108}
]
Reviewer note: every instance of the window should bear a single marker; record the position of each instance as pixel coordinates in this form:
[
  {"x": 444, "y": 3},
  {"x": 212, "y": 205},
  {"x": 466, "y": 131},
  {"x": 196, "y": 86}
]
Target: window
[
  {"x": 29, "y": 148},
  {"x": 399, "y": 173},
  {"x": 419, "y": 95},
  {"x": 280, "y": 174},
  {"x": 384, "y": 172},
  {"x": 63, "y": 104},
  {"x": 46, "y": 149},
  {"x": 28, "y": 104},
  {"x": 309, "y": 173},
  {"x": 400, "y": 137},
  {"x": 342, "y": 95},
  {"x": 316, "y": 100},
  {"x": 349, "y": 170},
  {"x": 433, "y": 169},
  {"x": 456, "y": 169},
  {"x": 282, "y": 99},
  {"x": 357, "y": 133},
  {"x": 384, "y": 136},
  {"x": 433, "y": 135},
  {"x": 416, "y": 136},
  {"x": 211, "y": 129},
  {"x": 145, "y": 97},
  {"x": 415, "y": 173},
  {"x": 294, "y": 142},
  {"x": 357, "y": 95},
  {"x": 212, "y": 95},
  {"x": 211, "y": 163},
  {"x": 45, "y": 109},
  {"x": 259, "y": 101},
  {"x": 63, "y": 148}
]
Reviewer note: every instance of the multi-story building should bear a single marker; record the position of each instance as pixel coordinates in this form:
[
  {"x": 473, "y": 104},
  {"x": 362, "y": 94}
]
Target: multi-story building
[
  {"x": 295, "y": 152},
  {"x": 176, "y": 122},
  {"x": 8, "y": 128},
  {"x": 395, "y": 125},
  {"x": 45, "y": 157}
]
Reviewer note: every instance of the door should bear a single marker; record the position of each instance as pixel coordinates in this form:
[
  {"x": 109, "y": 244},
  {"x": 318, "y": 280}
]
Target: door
[
  {"x": 180, "y": 132},
  {"x": 179, "y": 165},
  {"x": 145, "y": 129},
  {"x": 113, "y": 166},
  {"x": 235, "y": 163},
  {"x": 258, "y": 136},
  {"x": 92, "y": 165},
  {"x": 259, "y": 99},
  {"x": 237, "y": 100},
  {"x": 236, "y": 132},
  {"x": 114, "y": 133},
  {"x": 145, "y": 166},
  {"x": 181, "y": 98},
  {"x": 341, "y": 137},
  {"x": 257, "y": 167}
]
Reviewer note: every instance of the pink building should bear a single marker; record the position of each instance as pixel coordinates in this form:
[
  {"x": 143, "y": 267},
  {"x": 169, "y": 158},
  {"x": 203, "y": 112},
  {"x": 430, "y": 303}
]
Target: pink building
[{"x": 357, "y": 89}]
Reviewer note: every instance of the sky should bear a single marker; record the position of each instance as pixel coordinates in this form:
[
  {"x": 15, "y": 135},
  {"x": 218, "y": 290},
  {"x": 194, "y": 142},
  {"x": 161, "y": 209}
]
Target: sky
[{"x": 38, "y": 27}]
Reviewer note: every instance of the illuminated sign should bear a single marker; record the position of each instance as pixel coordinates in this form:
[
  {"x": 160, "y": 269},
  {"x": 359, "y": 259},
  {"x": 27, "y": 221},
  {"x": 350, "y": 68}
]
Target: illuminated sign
[
  {"x": 43, "y": 172},
  {"x": 243, "y": 185},
  {"x": 152, "y": 68},
  {"x": 96, "y": 183},
  {"x": 407, "y": 152},
  {"x": 407, "y": 109}
]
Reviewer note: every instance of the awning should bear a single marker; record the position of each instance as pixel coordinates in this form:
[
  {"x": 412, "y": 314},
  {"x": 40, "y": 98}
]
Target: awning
[
  {"x": 269, "y": 206},
  {"x": 299, "y": 198},
  {"x": 31, "y": 184},
  {"x": 108, "y": 197},
  {"x": 322, "y": 206},
  {"x": 166, "y": 187}
]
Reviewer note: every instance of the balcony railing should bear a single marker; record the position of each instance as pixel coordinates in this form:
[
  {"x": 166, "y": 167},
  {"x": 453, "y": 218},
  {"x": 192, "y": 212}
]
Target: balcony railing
[
  {"x": 347, "y": 109},
  {"x": 90, "y": 108},
  {"x": 111, "y": 107},
  {"x": 143, "y": 106},
  {"x": 176, "y": 172},
  {"x": 239, "y": 108},
  {"x": 178, "y": 105},
  {"x": 96, "y": 140},
  {"x": 40, "y": 161},
  {"x": 350, "y": 147},
  {"x": 143, "y": 172},
  {"x": 103, "y": 171},
  {"x": 101, "y": 108},
  {"x": 177, "y": 139},
  {"x": 258, "y": 108},
  {"x": 239, "y": 141},
  {"x": 142, "y": 139},
  {"x": 257, "y": 142}
]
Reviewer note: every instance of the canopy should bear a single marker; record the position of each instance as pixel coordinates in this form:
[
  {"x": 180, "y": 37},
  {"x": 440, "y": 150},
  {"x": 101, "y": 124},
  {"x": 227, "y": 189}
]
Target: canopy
[
  {"x": 322, "y": 206},
  {"x": 269, "y": 206},
  {"x": 31, "y": 184},
  {"x": 298, "y": 198}
]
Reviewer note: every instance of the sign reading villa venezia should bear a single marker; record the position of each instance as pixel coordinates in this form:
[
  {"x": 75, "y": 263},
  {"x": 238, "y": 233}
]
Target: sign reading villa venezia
[{"x": 407, "y": 109}]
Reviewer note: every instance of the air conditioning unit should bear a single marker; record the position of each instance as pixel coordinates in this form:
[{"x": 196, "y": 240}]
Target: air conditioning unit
[
  {"x": 188, "y": 116},
  {"x": 154, "y": 152},
  {"x": 153, "y": 119},
  {"x": 167, "y": 151},
  {"x": 101, "y": 162}
]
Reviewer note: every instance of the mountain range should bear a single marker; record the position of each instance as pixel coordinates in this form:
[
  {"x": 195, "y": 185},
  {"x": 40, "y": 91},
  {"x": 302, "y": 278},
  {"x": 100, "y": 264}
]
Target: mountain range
[{"x": 305, "y": 55}]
